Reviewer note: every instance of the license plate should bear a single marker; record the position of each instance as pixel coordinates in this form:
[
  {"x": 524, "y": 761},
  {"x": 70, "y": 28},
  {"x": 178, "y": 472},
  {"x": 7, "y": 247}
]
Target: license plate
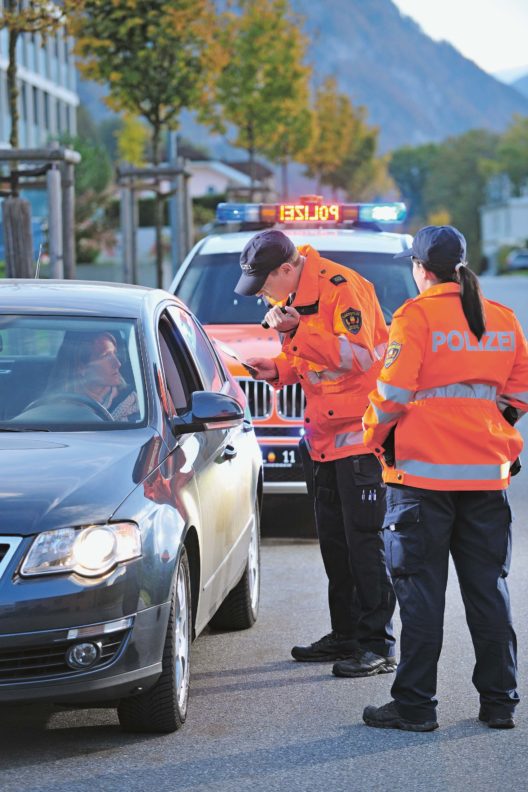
[{"x": 280, "y": 457}]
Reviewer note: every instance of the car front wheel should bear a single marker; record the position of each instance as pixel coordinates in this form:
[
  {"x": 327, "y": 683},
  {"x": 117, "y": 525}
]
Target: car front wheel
[
  {"x": 163, "y": 708},
  {"x": 239, "y": 610}
]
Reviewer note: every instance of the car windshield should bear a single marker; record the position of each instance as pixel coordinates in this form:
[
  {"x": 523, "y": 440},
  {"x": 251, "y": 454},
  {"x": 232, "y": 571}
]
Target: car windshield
[
  {"x": 69, "y": 373},
  {"x": 208, "y": 283}
]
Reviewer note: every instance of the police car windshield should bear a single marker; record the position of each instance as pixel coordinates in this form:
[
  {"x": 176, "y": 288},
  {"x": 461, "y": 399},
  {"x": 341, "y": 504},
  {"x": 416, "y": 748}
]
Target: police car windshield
[{"x": 208, "y": 283}]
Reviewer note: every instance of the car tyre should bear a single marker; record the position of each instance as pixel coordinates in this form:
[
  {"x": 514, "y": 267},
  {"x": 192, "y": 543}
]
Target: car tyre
[
  {"x": 163, "y": 708},
  {"x": 239, "y": 610}
]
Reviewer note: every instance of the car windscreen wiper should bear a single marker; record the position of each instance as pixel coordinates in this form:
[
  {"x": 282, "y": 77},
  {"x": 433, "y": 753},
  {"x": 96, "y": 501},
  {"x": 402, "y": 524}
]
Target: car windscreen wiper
[{"x": 23, "y": 429}]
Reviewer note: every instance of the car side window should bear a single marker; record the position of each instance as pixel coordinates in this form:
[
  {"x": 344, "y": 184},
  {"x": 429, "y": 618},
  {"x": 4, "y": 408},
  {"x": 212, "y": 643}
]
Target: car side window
[
  {"x": 203, "y": 354},
  {"x": 178, "y": 383}
]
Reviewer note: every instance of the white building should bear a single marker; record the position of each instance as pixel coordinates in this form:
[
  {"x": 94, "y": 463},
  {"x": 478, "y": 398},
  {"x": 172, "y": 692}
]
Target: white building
[
  {"x": 504, "y": 219},
  {"x": 214, "y": 177},
  {"x": 47, "y": 98}
]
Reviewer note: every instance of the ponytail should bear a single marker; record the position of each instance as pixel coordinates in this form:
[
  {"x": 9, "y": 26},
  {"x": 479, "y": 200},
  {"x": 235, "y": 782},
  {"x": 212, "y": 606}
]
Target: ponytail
[{"x": 472, "y": 301}]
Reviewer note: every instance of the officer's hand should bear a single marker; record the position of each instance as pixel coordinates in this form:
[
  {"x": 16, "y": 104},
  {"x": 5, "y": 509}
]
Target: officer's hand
[
  {"x": 283, "y": 319},
  {"x": 265, "y": 368}
]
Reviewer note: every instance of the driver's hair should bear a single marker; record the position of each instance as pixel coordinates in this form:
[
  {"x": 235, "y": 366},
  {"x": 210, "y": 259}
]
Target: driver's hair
[{"x": 75, "y": 352}]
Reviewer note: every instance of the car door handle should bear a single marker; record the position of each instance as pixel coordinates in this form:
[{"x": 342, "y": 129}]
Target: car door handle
[{"x": 230, "y": 452}]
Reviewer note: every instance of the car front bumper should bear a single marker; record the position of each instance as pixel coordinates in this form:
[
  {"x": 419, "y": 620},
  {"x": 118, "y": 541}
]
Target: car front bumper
[{"x": 32, "y": 669}]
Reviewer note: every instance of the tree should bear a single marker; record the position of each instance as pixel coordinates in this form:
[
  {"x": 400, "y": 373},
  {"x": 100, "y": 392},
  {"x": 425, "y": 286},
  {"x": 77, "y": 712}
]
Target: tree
[
  {"x": 156, "y": 57},
  {"x": 512, "y": 153},
  {"x": 18, "y": 17},
  {"x": 132, "y": 140},
  {"x": 343, "y": 145},
  {"x": 93, "y": 176},
  {"x": 410, "y": 167},
  {"x": 456, "y": 183},
  {"x": 264, "y": 79}
]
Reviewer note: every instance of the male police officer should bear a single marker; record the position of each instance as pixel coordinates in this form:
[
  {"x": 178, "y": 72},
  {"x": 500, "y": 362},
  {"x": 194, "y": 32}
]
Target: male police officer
[{"x": 333, "y": 339}]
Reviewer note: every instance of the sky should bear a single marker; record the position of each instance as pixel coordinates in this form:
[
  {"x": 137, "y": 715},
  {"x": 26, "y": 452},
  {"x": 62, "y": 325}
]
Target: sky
[{"x": 493, "y": 33}]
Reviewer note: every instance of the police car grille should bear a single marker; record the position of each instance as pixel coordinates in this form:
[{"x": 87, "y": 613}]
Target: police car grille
[
  {"x": 291, "y": 402},
  {"x": 259, "y": 396}
]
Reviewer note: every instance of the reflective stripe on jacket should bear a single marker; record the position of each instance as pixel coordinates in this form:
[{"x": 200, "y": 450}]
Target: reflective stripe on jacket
[
  {"x": 335, "y": 354},
  {"x": 445, "y": 392}
]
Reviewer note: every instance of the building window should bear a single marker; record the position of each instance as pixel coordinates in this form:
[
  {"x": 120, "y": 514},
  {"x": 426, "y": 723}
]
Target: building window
[{"x": 46, "y": 111}]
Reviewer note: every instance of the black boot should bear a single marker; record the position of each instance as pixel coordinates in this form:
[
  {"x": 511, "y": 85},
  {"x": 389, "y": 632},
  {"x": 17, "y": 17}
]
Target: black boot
[
  {"x": 364, "y": 664},
  {"x": 388, "y": 717},
  {"x": 333, "y": 646},
  {"x": 494, "y": 722}
]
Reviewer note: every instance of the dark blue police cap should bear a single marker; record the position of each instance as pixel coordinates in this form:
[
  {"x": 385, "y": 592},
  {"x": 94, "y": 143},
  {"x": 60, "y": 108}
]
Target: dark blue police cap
[
  {"x": 439, "y": 246},
  {"x": 264, "y": 252}
]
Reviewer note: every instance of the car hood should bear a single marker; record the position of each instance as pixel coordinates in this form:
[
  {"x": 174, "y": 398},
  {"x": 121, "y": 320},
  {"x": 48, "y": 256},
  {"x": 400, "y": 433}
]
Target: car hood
[
  {"x": 68, "y": 479},
  {"x": 246, "y": 341}
]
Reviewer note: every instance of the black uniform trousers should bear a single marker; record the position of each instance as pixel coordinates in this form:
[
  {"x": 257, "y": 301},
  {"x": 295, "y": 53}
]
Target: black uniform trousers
[
  {"x": 349, "y": 502},
  {"x": 422, "y": 527}
]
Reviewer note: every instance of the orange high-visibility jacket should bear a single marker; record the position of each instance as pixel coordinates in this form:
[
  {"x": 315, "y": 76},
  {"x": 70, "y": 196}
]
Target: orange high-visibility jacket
[
  {"x": 335, "y": 354},
  {"x": 444, "y": 391}
]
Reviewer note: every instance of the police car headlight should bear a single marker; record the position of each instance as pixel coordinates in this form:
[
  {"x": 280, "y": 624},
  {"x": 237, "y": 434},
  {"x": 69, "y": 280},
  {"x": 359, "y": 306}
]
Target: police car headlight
[{"x": 89, "y": 551}]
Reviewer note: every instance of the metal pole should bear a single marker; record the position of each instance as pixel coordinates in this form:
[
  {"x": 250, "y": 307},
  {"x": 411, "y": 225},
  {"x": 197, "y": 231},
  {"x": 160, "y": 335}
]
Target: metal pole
[
  {"x": 174, "y": 200},
  {"x": 55, "y": 222},
  {"x": 134, "y": 216},
  {"x": 68, "y": 218},
  {"x": 126, "y": 233}
]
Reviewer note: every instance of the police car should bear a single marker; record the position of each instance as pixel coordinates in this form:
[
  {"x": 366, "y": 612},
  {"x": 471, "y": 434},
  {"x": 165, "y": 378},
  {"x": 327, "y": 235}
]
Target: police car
[{"x": 349, "y": 234}]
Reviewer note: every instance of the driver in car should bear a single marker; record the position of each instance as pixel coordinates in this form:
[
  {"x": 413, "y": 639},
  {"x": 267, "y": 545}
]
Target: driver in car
[{"x": 89, "y": 365}]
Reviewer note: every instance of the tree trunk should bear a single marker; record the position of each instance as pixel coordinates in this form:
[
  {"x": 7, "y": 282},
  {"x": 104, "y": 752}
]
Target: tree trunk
[
  {"x": 251, "y": 151},
  {"x": 12, "y": 88},
  {"x": 158, "y": 210},
  {"x": 284, "y": 179}
]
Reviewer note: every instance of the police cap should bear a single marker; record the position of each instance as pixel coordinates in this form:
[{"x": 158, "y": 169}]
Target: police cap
[
  {"x": 440, "y": 246},
  {"x": 264, "y": 252}
]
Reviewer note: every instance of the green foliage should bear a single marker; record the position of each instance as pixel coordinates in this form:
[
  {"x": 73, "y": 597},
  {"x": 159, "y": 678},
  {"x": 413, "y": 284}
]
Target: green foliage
[
  {"x": 448, "y": 180},
  {"x": 132, "y": 140},
  {"x": 93, "y": 176},
  {"x": 343, "y": 148},
  {"x": 155, "y": 56},
  {"x": 409, "y": 167},
  {"x": 264, "y": 83},
  {"x": 512, "y": 154}
]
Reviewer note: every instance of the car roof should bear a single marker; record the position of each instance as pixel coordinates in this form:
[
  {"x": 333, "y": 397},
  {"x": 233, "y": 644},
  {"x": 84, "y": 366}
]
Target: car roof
[
  {"x": 89, "y": 298},
  {"x": 326, "y": 239}
]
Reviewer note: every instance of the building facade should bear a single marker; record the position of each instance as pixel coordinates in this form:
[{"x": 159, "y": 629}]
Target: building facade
[
  {"x": 47, "y": 88},
  {"x": 503, "y": 219}
]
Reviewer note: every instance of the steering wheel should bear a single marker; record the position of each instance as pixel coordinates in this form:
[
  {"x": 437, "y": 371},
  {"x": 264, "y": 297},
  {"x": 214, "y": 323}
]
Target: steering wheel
[{"x": 76, "y": 398}]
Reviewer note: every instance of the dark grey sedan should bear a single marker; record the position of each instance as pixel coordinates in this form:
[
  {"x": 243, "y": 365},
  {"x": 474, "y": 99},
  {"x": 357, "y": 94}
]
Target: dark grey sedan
[{"x": 130, "y": 490}]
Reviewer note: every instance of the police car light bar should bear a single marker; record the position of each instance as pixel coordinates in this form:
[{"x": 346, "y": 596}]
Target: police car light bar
[{"x": 311, "y": 211}]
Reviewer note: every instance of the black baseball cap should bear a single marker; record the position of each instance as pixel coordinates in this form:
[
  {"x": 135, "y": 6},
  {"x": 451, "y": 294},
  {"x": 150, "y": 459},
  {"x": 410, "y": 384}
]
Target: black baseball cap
[
  {"x": 437, "y": 245},
  {"x": 264, "y": 252}
]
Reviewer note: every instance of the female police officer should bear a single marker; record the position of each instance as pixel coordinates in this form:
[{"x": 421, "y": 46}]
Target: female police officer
[{"x": 454, "y": 379}]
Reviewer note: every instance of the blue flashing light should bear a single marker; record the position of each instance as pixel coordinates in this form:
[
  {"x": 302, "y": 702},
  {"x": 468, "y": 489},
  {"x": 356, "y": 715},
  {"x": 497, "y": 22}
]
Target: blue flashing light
[
  {"x": 382, "y": 213},
  {"x": 238, "y": 213}
]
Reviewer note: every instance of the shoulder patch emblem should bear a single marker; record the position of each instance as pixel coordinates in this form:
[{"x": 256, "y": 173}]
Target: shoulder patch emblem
[
  {"x": 393, "y": 350},
  {"x": 351, "y": 318},
  {"x": 337, "y": 279}
]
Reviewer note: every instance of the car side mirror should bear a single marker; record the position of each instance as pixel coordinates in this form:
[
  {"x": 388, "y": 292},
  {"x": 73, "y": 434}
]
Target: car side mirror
[{"x": 209, "y": 411}]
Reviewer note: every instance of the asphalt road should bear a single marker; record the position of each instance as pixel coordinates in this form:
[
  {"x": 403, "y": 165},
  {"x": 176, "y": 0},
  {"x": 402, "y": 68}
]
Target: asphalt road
[{"x": 260, "y": 721}]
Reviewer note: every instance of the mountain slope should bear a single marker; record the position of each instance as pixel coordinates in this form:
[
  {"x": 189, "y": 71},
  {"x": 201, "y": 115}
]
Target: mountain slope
[
  {"x": 521, "y": 85},
  {"x": 415, "y": 89}
]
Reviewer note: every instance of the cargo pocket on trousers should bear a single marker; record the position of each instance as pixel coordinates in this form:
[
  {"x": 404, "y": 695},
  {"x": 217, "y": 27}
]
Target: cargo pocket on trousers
[
  {"x": 404, "y": 539},
  {"x": 370, "y": 492}
]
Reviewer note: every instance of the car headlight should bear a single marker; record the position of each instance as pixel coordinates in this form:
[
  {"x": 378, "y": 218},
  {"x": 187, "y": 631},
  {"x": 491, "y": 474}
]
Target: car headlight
[{"x": 89, "y": 551}]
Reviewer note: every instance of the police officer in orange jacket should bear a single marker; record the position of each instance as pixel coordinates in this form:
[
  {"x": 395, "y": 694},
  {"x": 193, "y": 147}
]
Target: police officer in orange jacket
[
  {"x": 454, "y": 380},
  {"x": 333, "y": 339}
]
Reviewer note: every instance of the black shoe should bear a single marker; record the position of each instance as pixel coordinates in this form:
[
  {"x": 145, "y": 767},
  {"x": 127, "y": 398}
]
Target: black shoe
[
  {"x": 388, "y": 717},
  {"x": 364, "y": 664},
  {"x": 333, "y": 646},
  {"x": 504, "y": 722}
]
